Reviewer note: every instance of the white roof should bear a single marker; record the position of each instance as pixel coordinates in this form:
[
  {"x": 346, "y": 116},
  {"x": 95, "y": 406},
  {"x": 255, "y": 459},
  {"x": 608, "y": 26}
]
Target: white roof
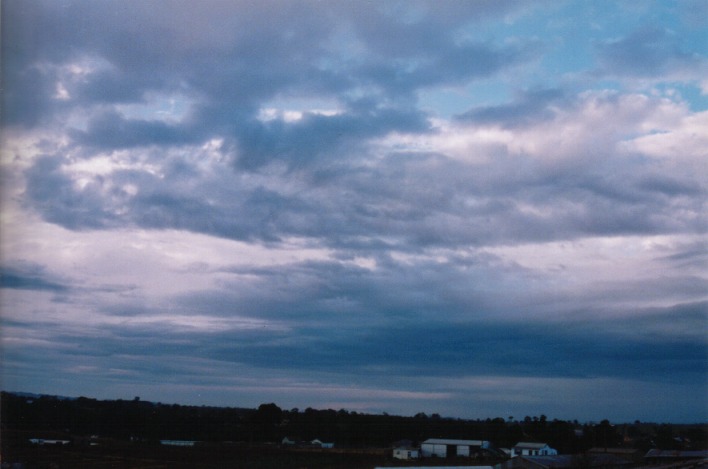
[
  {"x": 522, "y": 444},
  {"x": 443, "y": 441}
]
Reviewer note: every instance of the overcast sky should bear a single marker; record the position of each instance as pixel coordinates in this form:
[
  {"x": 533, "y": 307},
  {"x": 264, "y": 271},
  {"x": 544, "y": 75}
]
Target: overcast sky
[{"x": 471, "y": 208}]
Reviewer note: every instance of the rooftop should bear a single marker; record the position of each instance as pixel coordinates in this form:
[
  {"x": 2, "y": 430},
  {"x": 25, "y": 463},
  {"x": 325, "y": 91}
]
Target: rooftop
[
  {"x": 445, "y": 441},
  {"x": 523, "y": 444}
]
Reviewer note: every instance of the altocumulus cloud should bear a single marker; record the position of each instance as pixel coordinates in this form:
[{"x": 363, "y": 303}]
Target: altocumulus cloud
[{"x": 480, "y": 209}]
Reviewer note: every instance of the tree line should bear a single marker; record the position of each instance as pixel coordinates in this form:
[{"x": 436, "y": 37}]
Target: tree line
[{"x": 150, "y": 422}]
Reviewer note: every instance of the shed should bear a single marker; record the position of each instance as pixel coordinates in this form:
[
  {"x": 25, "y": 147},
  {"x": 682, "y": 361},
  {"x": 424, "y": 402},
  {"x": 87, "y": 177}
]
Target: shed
[
  {"x": 178, "y": 442},
  {"x": 406, "y": 452},
  {"x": 524, "y": 448},
  {"x": 443, "y": 448},
  {"x": 321, "y": 444},
  {"x": 42, "y": 442}
]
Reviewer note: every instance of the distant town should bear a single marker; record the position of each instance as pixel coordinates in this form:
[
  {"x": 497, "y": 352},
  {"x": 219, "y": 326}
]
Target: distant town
[{"x": 49, "y": 431}]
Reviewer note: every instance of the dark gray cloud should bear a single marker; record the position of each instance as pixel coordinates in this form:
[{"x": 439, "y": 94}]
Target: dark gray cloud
[
  {"x": 30, "y": 277},
  {"x": 648, "y": 52},
  {"x": 646, "y": 347},
  {"x": 692, "y": 255},
  {"x": 248, "y": 54},
  {"x": 111, "y": 130},
  {"x": 317, "y": 137},
  {"x": 529, "y": 108},
  {"x": 483, "y": 349},
  {"x": 669, "y": 186},
  {"x": 400, "y": 198}
]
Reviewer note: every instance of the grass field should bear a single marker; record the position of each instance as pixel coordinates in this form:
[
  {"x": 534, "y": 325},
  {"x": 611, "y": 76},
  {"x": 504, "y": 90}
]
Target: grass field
[{"x": 121, "y": 454}]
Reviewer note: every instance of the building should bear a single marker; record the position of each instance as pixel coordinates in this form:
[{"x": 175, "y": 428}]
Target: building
[
  {"x": 443, "y": 448},
  {"x": 532, "y": 449},
  {"x": 403, "y": 444},
  {"x": 321, "y": 444},
  {"x": 42, "y": 442},
  {"x": 406, "y": 452},
  {"x": 178, "y": 442}
]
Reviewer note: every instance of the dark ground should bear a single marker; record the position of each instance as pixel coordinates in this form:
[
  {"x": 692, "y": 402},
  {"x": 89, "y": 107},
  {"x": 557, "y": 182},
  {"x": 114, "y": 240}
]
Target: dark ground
[
  {"x": 157, "y": 457},
  {"x": 120, "y": 454}
]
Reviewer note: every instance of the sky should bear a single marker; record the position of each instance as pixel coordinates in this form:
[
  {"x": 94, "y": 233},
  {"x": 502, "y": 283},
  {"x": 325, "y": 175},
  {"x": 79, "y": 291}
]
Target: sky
[{"x": 471, "y": 208}]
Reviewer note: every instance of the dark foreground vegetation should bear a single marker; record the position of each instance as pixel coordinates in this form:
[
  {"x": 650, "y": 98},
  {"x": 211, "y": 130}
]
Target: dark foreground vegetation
[
  {"x": 136, "y": 455},
  {"x": 127, "y": 433}
]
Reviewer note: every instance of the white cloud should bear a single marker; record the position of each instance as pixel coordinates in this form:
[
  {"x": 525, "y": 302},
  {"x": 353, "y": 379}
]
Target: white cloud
[
  {"x": 680, "y": 143},
  {"x": 289, "y": 115}
]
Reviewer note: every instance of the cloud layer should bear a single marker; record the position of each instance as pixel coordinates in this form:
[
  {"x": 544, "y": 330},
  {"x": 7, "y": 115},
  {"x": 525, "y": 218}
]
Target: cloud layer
[{"x": 402, "y": 207}]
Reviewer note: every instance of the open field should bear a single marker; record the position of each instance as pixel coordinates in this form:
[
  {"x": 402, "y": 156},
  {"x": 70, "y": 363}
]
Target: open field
[
  {"x": 140, "y": 456},
  {"x": 120, "y": 454}
]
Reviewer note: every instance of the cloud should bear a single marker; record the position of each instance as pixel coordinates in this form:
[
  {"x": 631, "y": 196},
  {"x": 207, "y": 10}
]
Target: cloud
[
  {"x": 111, "y": 130},
  {"x": 482, "y": 349},
  {"x": 530, "y": 108},
  {"x": 288, "y": 183},
  {"x": 319, "y": 138},
  {"x": 286, "y": 195},
  {"x": 30, "y": 278},
  {"x": 651, "y": 53},
  {"x": 257, "y": 54}
]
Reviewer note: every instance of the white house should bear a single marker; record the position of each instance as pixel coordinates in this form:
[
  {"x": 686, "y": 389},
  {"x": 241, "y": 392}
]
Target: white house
[
  {"x": 443, "y": 448},
  {"x": 42, "y": 442},
  {"x": 532, "y": 449},
  {"x": 178, "y": 442},
  {"x": 321, "y": 444},
  {"x": 405, "y": 452}
]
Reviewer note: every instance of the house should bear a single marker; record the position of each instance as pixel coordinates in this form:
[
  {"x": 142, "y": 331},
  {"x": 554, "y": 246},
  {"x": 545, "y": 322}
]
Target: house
[
  {"x": 178, "y": 442},
  {"x": 406, "y": 452},
  {"x": 532, "y": 449},
  {"x": 443, "y": 448},
  {"x": 42, "y": 442},
  {"x": 321, "y": 444},
  {"x": 403, "y": 444}
]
